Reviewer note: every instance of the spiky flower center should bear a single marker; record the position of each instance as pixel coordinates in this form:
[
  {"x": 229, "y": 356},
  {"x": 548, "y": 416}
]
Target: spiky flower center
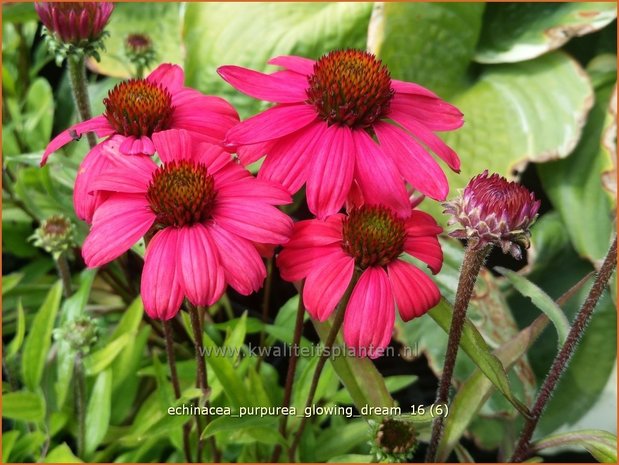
[
  {"x": 138, "y": 108},
  {"x": 396, "y": 436},
  {"x": 181, "y": 193},
  {"x": 373, "y": 235},
  {"x": 350, "y": 87}
]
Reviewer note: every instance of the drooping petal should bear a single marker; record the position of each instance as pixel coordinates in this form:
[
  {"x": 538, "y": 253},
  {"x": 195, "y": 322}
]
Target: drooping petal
[
  {"x": 173, "y": 144},
  {"x": 132, "y": 145},
  {"x": 192, "y": 98},
  {"x": 90, "y": 169},
  {"x": 415, "y": 293},
  {"x": 202, "y": 275},
  {"x": 379, "y": 179},
  {"x": 370, "y": 315},
  {"x": 295, "y": 264},
  {"x": 297, "y": 64},
  {"x": 273, "y": 123},
  {"x": 289, "y": 158},
  {"x": 99, "y": 125},
  {"x": 169, "y": 76},
  {"x": 315, "y": 233},
  {"x": 243, "y": 268},
  {"x": 204, "y": 123},
  {"x": 421, "y": 224},
  {"x": 161, "y": 282},
  {"x": 249, "y": 154},
  {"x": 435, "y": 114},
  {"x": 251, "y": 188},
  {"x": 331, "y": 171},
  {"x": 414, "y": 163},
  {"x": 253, "y": 220},
  {"x": 122, "y": 173},
  {"x": 117, "y": 224},
  {"x": 411, "y": 88},
  {"x": 427, "y": 249},
  {"x": 263, "y": 86},
  {"x": 325, "y": 285}
]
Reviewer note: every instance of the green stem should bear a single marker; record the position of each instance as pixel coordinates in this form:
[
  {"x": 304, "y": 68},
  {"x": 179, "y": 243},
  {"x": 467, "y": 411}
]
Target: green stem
[
  {"x": 265, "y": 307},
  {"x": 77, "y": 75},
  {"x": 564, "y": 356},
  {"x": 335, "y": 329},
  {"x": 62, "y": 264},
  {"x": 471, "y": 265},
  {"x": 80, "y": 403}
]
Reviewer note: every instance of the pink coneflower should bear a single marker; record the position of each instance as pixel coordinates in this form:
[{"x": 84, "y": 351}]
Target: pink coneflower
[
  {"x": 137, "y": 109},
  {"x": 372, "y": 240},
  {"x": 321, "y": 132},
  {"x": 492, "y": 210},
  {"x": 203, "y": 211},
  {"x": 74, "y": 22}
]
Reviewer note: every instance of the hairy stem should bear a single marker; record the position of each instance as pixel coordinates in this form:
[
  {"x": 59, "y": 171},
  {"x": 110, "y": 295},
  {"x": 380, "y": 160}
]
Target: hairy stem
[
  {"x": 77, "y": 75},
  {"x": 169, "y": 344},
  {"x": 266, "y": 299},
  {"x": 80, "y": 403},
  {"x": 65, "y": 274},
  {"x": 564, "y": 356},
  {"x": 471, "y": 265}
]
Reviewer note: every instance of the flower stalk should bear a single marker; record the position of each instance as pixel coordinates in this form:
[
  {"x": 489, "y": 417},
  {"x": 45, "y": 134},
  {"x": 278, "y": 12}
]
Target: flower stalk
[
  {"x": 77, "y": 75},
  {"x": 80, "y": 402},
  {"x": 564, "y": 356},
  {"x": 473, "y": 260}
]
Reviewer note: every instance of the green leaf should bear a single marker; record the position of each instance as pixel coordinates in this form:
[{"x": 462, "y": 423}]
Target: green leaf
[
  {"x": 521, "y": 31},
  {"x": 436, "y": 51},
  {"x": 38, "y": 115},
  {"x": 601, "y": 444},
  {"x": 10, "y": 281},
  {"x": 230, "y": 424},
  {"x": 8, "y": 441},
  {"x": 74, "y": 305},
  {"x": 349, "y": 436},
  {"x": 541, "y": 300},
  {"x": 17, "y": 341},
  {"x": 24, "y": 406},
  {"x": 102, "y": 358},
  {"x": 217, "y": 34},
  {"x": 39, "y": 339},
  {"x": 160, "y": 21},
  {"x": 475, "y": 391},
  {"x": 575, "y": 185},
  {"x": 61, "y": 454},
  {"x": 351, "y": 458},
  {"x": 98, "y": 411}
]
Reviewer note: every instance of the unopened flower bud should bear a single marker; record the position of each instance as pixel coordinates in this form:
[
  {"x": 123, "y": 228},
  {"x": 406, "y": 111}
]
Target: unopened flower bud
[
  {"x": 394, "y": 440},
  {"x": 81, "y": 334},
  {"x": 140, "y": 52},
  {"x": 55, "y": 235}
]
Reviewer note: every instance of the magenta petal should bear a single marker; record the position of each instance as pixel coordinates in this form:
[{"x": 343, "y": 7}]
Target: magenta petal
[
  {"x": 250, "y": 188},
  {"x": 435, "y": 114},
  {"x": 415, "y": 293},
  {"x": 421, "y": 224},
  {"x": 203, "y": 124},
  {"x": 299, "y": 65},
  {"x": 264, "y": 86},
  {"x": 289, "y": 158},
  {"x": 90, "y": 169},
  {"x": 173, "y": 144},
  {"x": 169, "y": 76},
  {"x": 187, "y": 99},
  {"x": 201, "y": 273},
  {"x": 427, "y": 249},
  {"x": 331, "y": 172},
  {"x": 98, "y": 125},
  {"x": 161, "y": 287},
  {"x": 295, "y": 264},
  {"x": 378, "y": 177},
  {"x": 242, "y": 264},
  {"x": 249, "y": 154},
  {"x": 314, "y": 233},
  {"x": 411, "y": 88},
  {"x": 273, "y": 123},
  {"x": 325, "y": 285},
  {"x": 370, "y": 315},
  {"x": 117, "y": 224},
  {"x": 414, "y": 163}
]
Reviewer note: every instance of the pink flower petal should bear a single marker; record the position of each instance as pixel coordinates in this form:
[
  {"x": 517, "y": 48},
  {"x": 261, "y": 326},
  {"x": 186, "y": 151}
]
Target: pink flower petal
[
  {"x": 99, "y": 125},
  {"x": 204, "y": 124},
  {"x": 132, "y": 176},
  {"x": 91, "y": 167},
  {"x": 378, "y": 177},
  {"x": 427, "y": 249},
  {"x": 253, "y": 220},
  {"x": 117, "y": 224},
  {"x": 249, "y": 154},
  {"x": 251, "y": 189},
  {"x": 242, "y": 264},
  {"x": 411, "y": 88},
  {"x": 132, "y": 145},
  {"x": 169, "y": 76},
  {"x": 421, "y": 224},
  {"x": 161, "y": 283},
  {"x": 315, "y": 233},
  {"x": 273, "y": 123},
  {"x": 263, "y": 86},
  {"x": 289, "y": 158},
  {"x": 415, "y": 293},
  {"x": 295, "y": 264},
  {"x": 370, "y": 315},
  {"x": 325, "y": 285},
  {"x": 415, "y": 164},
  {"x": 201, "y": 273},
  {"x": 187, "y": 98},
  {"x": 297, "y": 64},
  {"x": 173, "y": 144},
  {"x": 435, "y": 114},
  {"x": 331, "y": 172}
]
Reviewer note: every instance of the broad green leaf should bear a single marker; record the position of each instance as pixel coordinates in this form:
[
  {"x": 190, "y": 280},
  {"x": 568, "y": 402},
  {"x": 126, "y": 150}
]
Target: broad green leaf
[
  {"x": 609, "y": 148},
  {"x": 233, "y": 423},
  {"x": 98, "y": 411},
  {"x": 9, "y": 281},
  {"x": 541, "y": 300},
  {"x": 393, "y": 383},
  {"x": 349, "y": 436},
  {"x": 160, "y": 21},
  {"x": 476, "y": 390},
  {"x": 351, "y": 458},
  {"x": 217, "y": 34},
  {"x": 20, "y": 332},
  {"x": 601, "y": 444},
  {"x": 61, "y": 454},
  {"x": 521, "y": 31},
  {"x": 39, "y": 339},
  {"x": 24, "y": 406},
  {"x": 130, "y": 320},
  {"x": 102, "y": 358},
  {"x": 428, "y": 43},
  {"x": 74, "y": 305},
  {"x": 575, "y": 185},
  {"x": 8, "y": 441},
  {"x": 38, "y": 114}
]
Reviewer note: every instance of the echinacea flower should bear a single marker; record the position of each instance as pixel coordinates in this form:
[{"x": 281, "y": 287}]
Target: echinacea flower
[
  {"x": 74, "y": 22},
  {"x": 136, "y": 110},
  {"x": 203, "y": 211},
  {"x": 372, "y": 240},
  {"x": 492, "y": 210},
  {"x": 321, "y": 130}
]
